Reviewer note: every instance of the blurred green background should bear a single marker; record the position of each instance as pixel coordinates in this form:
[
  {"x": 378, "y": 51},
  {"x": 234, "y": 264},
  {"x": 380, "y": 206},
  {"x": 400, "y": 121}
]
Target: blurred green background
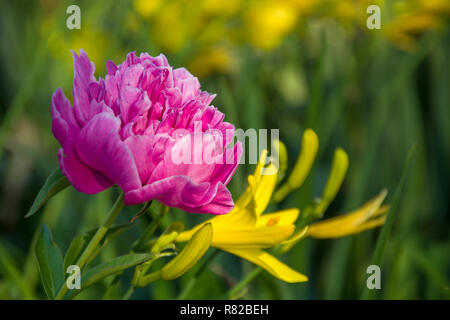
[{"x": 288, "y": 64}]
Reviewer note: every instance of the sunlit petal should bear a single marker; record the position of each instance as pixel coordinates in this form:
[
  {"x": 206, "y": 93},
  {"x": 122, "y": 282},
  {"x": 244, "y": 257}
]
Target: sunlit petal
[
  {"x": 270, "y": 264},
  {"x": 258, "y": 237},
  {"x": 347, "y": 224},
  {"x": 280, "y": 218}
]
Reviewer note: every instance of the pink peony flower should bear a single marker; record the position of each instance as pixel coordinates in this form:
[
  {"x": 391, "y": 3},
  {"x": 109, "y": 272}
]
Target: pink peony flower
[{"x": 125, "y": 129}]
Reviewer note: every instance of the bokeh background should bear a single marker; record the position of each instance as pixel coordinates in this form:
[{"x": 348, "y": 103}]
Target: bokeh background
[{"x": 288, "y": 64}]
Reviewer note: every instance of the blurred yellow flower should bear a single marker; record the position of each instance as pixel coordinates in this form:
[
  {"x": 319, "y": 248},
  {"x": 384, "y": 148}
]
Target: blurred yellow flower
[
  {"x": 214, "y": 59},
  {"x": 267, "y": 22},
  {"x": 172, "y": 27},
  {"x": 220, "y": 7},
  {"x": 146, "y": 8},
  {"x": 402, "y": 31},
  {"x": 206, "y": 31},
  {"x": 413, "y": 18},
  {"x": 437, "y": 6}
]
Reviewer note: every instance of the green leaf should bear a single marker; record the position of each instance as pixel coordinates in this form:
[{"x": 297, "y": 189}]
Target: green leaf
[
  {"x": 55, "y": 183},
  {"x": 50, "y": 262},
  {"x": 116, "y": 265},
  {"x": 115, "y": 232},
  {"x": 382, "y": 241},
  {"x": 80, "y": 242},
  {"x": 76, "y": 248}
]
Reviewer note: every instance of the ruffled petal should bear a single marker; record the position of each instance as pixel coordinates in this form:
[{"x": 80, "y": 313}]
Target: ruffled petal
[
  {"x": 187, "y": 83},
  {"x": 222, "y": 202},
  {"x": 64, "y": 126},
  {"x": 142, "y": 148},
  {"x": 98, "y": 145},
  {"x": 80, "y": 176},
  {"x": 183, "y": 193},
  {"x": 187, "y": 158},
  {"x": 83, "y": 76},
  {"x": 224, "y": 172}
]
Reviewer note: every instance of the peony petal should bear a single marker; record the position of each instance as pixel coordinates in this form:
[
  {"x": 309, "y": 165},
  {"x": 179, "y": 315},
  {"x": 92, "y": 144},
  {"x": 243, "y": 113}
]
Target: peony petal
[
  {"x": 111, "y": 68},
  {"x": 175, "y": 190},
  {"x": 83, "y": 75},
  {"x": 224, "y": 172},
  {"x": 185, "y": 158},
  {"x": 222, "y": 203},
  {"x": 98, "y": 145},
  {"x": 187, "y": 83},
  {"x": 80, "y": 176},
  {"x": 64, "y": 126},
  {"x": 133, "y": 100},
  {"x": 141, "y": 147}
]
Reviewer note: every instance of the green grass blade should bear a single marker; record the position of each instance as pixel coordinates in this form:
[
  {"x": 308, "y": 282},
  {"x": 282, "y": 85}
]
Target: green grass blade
[{"x": 381, "y": 245}]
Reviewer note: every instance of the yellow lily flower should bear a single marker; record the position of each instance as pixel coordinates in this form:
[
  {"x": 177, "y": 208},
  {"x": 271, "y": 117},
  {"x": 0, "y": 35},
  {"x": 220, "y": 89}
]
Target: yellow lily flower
[{"x": 245, "y": 231}]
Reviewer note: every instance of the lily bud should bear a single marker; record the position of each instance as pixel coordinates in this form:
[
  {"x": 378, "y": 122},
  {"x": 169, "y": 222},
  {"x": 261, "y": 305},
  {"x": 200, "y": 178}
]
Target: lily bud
[{"x": 190, "y": 255}]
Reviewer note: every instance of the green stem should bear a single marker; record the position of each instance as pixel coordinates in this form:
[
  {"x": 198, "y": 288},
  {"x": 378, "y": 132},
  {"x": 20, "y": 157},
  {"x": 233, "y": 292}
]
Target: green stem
[
  {"x": 113, "y": 213},
  {"x": 128, "y": 293},
  {"x": 243, "y": 283},
  {"x": 141, "y": 270},
  {"x": 147, "y": 279},
  {"x": 150, "y": 229}
]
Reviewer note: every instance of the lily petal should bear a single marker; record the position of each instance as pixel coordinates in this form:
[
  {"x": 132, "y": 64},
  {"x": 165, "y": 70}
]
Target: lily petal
[
  {"x": 270, "y": 264},
  {"x": 259, "y": 237},
  {"x": 280, "y": 218},
  {"x": 252, "y": 237},
  {"x": 348, "y": 224}
]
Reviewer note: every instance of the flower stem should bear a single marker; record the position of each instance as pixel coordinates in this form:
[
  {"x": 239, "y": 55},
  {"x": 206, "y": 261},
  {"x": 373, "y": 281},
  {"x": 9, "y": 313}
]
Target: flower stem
[
  {"x": 129, "y": 293},
  {"x": 151, "y": 228},
  {"x": 243, "y": 283},
  {"x": 147, "y": 279},
  {"x": 113, "y": 213}
]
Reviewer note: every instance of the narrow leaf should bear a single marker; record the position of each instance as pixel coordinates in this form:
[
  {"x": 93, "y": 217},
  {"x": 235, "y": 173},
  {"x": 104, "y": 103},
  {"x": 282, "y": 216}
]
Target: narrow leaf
[
  {"x": 386, "y": 230},
  {"x": 50, "y": 262},
  {"x": 116, "y": 265},
  {"x": 76, "y": 247},
  {"x": 55, "y": 183},
  {"x": 80, "y": 242}
]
